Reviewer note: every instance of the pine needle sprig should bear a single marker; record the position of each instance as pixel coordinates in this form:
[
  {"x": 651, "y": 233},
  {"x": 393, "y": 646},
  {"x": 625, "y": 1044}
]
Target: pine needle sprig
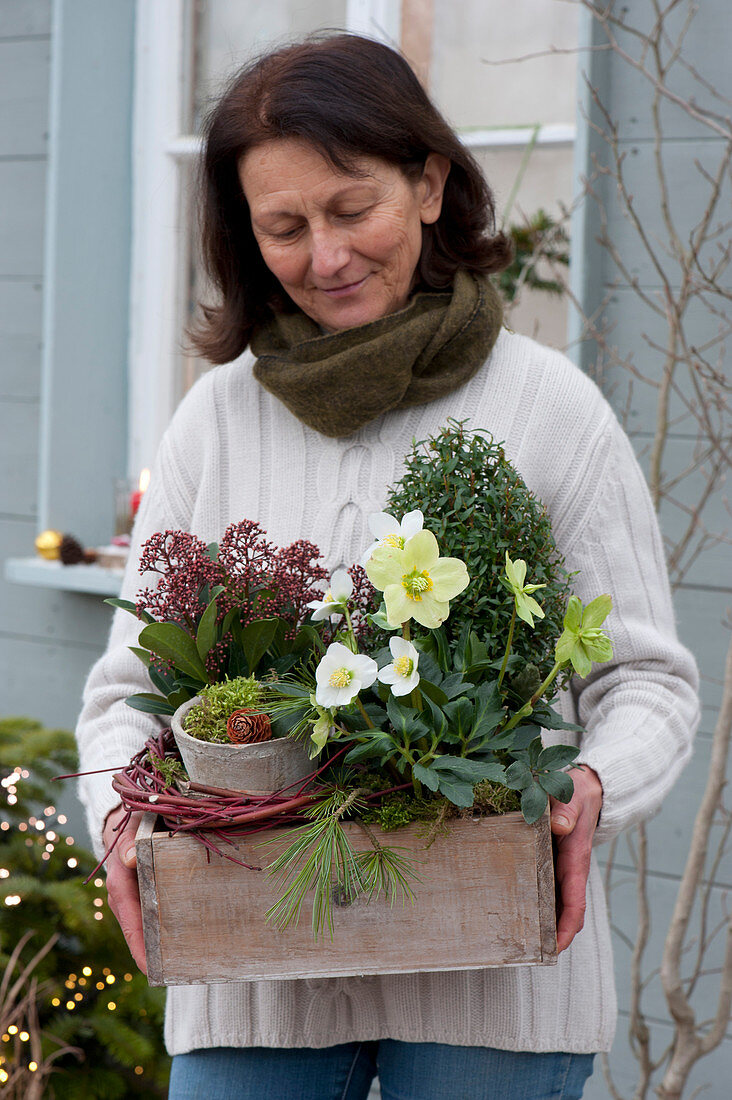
[
  {"x": 319, "y": 859},
  {"x": 386, "y": 871}
]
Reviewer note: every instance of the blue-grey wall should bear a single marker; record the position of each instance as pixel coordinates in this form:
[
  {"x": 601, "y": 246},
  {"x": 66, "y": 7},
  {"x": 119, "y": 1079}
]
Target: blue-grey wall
[
  {"x": 706, "y": 589},
  {"x": 65, "y": 69}
]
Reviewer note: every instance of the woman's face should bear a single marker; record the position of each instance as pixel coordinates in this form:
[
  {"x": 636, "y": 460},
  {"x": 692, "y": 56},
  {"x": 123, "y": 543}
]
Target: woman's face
[{"x": 345, "y": 248}]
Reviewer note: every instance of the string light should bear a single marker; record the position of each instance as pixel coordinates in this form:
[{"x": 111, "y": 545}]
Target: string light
[
  {"x": 139, "y": 1070},
  {"x": 24, "y": 1036},
  {"x": 71, "y": 862},
  {"x": 33, "y": 1066},
  {"x": 111, "y": 1006},
  {"x": 86, "y": 971}
]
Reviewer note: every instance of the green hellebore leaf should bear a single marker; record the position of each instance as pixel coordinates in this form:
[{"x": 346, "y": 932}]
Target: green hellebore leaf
[
  {"x": 573, "y": 614},
  {"x": 426, "y": 776},
  {"x": 518, "y": 776},
  {"x": 515, "y": 573},
  {"x": 556, "y": 756},
  {"x": 460, "y": 794},
  {"x": 581, "y": 663},
  {"x": 557, "y": 784},
  {"x": 596, "y": 612},
  {"x": 527, "y": 607},
  {"x": 565, "y": 646},
  {"x": 533, "y": 803}
]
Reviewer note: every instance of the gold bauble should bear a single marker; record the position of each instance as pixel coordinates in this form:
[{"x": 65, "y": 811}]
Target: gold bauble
[{"x": 48, "y": 544}]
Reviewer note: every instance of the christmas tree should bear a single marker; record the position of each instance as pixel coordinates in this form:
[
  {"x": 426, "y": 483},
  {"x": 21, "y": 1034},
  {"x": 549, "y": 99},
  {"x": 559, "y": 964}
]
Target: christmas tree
[{"x": 78, "y": 1018}]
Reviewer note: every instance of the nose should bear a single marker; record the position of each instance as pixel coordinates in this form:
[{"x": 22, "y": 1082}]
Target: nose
[{"x": 329, "y": 252}]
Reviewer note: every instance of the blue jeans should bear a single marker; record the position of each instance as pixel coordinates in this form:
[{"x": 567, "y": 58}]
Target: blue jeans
[{"x": 406, "y": 1071}]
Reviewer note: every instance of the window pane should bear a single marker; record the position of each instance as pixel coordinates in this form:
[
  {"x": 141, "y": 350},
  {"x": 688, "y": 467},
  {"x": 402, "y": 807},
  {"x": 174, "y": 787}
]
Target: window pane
[{"x": 228, "y": 32}]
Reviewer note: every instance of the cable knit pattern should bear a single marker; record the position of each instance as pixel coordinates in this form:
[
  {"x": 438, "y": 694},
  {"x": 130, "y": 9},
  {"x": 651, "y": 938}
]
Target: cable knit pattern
[{"x": 234, "y": 452}]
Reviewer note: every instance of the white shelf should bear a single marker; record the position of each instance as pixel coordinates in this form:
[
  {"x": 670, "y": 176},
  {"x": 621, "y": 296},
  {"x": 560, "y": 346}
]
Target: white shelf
[{"x": 92, "y": 579}]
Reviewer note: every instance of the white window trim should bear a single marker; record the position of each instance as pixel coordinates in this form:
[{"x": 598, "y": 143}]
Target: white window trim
[{"x": 160, "y": 149}]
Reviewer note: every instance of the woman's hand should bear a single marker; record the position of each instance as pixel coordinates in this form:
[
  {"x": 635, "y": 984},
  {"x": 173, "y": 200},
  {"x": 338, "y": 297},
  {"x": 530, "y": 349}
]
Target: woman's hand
[
  {"x": 124, "y": 896},
  {"x": 573, "y": 824}
]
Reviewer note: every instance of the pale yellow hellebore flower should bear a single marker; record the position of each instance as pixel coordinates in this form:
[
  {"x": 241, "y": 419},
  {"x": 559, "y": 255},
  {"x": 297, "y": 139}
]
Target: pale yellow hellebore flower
[{"x": 417, "y": 583}]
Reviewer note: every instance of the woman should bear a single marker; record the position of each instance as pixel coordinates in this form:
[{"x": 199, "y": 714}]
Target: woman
[{"x": 351, "y": 237}]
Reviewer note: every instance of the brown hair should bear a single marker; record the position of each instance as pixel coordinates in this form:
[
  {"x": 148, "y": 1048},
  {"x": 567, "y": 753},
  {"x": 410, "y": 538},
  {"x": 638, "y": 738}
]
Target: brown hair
[{"x": 348, "y": 96}]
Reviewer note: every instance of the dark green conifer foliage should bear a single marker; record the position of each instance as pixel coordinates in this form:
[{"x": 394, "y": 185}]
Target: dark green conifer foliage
[
  {"x": 112, "y": 1042},
  {"x": 478, "y": 507}
]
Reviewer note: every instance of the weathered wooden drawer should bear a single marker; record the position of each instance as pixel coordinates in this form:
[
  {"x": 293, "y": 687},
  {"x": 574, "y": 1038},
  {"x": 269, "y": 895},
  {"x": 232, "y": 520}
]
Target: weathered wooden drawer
[{"x": 485, "y": 898}]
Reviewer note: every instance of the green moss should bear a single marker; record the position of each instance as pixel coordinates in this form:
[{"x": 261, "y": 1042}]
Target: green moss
[
  {"x": 492, "y": 798},
  {"x": 400, "y": 808},
  {"x": 207, "y": 720}
]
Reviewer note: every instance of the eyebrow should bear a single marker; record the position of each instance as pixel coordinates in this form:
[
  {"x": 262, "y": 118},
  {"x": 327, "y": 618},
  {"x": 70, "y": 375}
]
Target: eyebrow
[{"x": 344, "y": 192}]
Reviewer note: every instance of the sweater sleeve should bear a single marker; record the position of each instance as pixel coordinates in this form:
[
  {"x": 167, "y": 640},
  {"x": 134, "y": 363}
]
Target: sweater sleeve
[
  {"x": 639, "y": 710},
  {"x": 109, "y": 732}
]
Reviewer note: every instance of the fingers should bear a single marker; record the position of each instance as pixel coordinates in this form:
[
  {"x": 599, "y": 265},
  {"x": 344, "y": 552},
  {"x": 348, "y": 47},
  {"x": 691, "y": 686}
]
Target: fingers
[
  {"x": 574, "y": 826},
  {"x": 122, "y": 890}
]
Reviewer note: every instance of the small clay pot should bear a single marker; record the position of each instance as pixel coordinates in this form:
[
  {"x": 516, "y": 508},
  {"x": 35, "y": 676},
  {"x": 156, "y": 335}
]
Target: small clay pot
[{"x": 260, "y": 767}]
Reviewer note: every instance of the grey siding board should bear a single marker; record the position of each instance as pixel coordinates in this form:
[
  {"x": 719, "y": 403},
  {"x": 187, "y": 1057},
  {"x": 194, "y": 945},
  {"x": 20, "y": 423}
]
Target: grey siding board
[
  {"x": 20, "y": 18},
  {"x": 661, "y": 897},
  {"x": 669, "y": 832},
  {"x": 24, "y": 97},
  {"x": 636, "y": 334},
  {"x": 45, "y": 680},
  {"x": 18, "y": 458},
  {"x": 46, "y": 613},
  {"x": 689, "y": 193},
  {"x": 702, "y": 600},
  {"x": 629, "y": 92},
  {"x": 22, "y": 196},
  {"x": 20, "y": 338},
  {"x": 700, "y": 617}
]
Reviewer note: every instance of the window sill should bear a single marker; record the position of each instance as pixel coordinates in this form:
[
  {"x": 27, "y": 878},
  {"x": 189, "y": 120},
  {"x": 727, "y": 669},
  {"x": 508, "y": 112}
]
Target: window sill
[{"x": 91, "y": 579}]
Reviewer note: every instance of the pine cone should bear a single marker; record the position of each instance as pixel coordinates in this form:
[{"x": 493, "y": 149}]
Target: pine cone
[
  {"x": 245, "y": 726},
  {"x": 70, "y": 551}
]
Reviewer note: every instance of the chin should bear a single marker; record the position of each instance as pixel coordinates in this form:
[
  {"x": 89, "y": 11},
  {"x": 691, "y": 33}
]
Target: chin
[{"x": 335, "y": 320}]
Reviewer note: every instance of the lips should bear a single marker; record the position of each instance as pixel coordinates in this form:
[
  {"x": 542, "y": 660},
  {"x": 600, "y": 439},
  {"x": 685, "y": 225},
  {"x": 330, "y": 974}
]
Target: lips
[{"x": 344, "y": 290}]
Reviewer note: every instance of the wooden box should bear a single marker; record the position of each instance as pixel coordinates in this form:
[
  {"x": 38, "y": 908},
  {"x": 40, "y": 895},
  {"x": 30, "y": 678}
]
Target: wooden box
[{"x": 485, "y": 898}]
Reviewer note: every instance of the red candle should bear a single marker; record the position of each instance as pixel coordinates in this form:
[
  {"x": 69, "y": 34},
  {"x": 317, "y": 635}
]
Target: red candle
[{"x": 137, "y": 494}]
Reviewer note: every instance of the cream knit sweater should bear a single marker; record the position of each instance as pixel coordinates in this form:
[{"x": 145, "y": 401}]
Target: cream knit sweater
[{"x": 234, "y": 452}]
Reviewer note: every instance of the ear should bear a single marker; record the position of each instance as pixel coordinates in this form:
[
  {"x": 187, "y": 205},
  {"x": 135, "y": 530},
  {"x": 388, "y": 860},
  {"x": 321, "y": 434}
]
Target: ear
[{"x": 432, "y": 185}]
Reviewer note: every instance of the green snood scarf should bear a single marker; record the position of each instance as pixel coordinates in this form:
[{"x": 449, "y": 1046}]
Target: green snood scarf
[{"x": 337, "y": 382}]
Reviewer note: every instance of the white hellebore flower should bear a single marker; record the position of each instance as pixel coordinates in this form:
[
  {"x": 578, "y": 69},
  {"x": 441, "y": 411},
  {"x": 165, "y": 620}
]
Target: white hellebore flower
[
  {"x": 341, "y": 674},
  {"x": 331, "y": 606},
  {"x": 390, "y": 532},
  {"x": 402, "y": 673}
]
